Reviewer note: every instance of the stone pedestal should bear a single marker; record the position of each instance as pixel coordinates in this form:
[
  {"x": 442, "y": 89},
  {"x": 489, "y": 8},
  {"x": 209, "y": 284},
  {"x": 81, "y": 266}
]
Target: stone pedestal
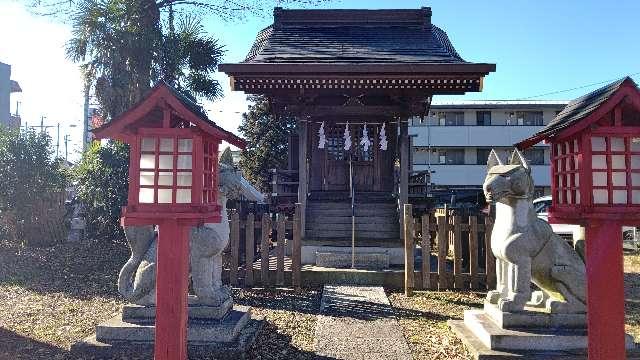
[
  {"x": 371, "y": 260},
  {"x": 225, "y": 330},
  {"x": 532, "y": 334}
]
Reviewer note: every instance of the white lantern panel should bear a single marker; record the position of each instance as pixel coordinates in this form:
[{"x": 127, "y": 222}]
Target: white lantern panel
[
  {"x": 145, "y": 196},
  {"x": 600, "y": 196},
  {"x": 598, "y": 144},
  {"x": 146, "y": 178},
  {"x": 599, "y": 179},
  {"x": 635, "y": 161},
  {"x": 635, "y": 196},
  {"x": 635, "y": 179},
  {"x": 617, "y": 162},
  {"x": 147, "y": 161},
  {"x": 635, "y": 144},
  {"x": 619, "y": 196},
  {"x": 165, "y": 162},
  {"x": 619, "y": 178},
  {"x": 559, "y": 149},
  {"x": 184, "y": 161},
  {"x": 185, "y": 145},
  {"x": 184, "y": 179},
  {"x": 576, "y": 178},
  {"x": 165, "y": 178},
  {"x": 575, "y": 145},
  {"x": 164, "y": 196},
  {"x": 617, "y": 144},
  {"x": 578, "y": 197},
  {"x": 598, "y": 161},
  {"x": 568, "y": 193},
  {"x": 166, "y": 144},
  {"x": 148, "y": 144},
  {"x": 183, "y": 196}
]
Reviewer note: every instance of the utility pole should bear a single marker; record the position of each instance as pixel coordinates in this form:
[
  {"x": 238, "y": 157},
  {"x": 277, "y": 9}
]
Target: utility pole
[
  {"x": 58, "y": 141},
  {"x": 66, "y": 150},
  {"x": 85, "y": 121}
]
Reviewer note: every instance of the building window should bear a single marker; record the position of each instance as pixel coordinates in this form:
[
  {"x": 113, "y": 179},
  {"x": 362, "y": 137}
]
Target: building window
[
  {"x": 483, "y": 118},
  {"x": 451, "y": 157},
  {"x": 528, "y": 118},
  {"x": 450, "y": 118},
  {"x": 534, "y": 156},
  {"x": 482, "y": 156},
  {"x": 335, "y": 147}
]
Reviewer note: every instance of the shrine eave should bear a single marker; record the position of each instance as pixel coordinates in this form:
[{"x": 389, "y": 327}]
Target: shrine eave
[{"x": 432, "y": 78}]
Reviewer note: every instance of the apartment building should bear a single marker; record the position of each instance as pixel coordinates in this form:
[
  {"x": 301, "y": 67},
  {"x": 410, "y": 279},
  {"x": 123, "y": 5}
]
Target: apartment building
[
  {"x": 7, "y": 87},
  {"x": 454, "y": 141}
]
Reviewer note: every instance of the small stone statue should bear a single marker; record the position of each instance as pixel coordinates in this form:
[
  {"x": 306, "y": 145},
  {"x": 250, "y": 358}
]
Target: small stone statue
[
  {"x": 137, "y": 279},
  {"x": 526, "y": 249}
]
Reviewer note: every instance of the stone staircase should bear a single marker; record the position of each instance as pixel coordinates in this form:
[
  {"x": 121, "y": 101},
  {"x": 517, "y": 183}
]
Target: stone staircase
[{"x": 376, "y": 219}]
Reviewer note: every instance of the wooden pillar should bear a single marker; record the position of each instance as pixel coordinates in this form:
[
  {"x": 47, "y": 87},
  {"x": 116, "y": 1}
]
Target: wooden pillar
[
  {"x": 409, "y": 246},
  {"x": 605, "y": 291},
  {"x": 404, "y": 169},
  {"x": 303, "y": 171},
  {"x": 172, "y": 273}
]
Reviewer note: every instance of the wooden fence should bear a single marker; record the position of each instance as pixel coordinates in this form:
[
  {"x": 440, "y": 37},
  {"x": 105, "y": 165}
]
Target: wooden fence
[
  {"x": 264, "y": 251},
  {"x": 457, "y": 248}
]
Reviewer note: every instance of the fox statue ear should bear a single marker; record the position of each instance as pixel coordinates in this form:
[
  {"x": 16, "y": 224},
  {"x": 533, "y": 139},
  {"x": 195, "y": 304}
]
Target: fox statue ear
[
  {"x": 518, "y": 159},
  {"x": 493, "y": 160}
]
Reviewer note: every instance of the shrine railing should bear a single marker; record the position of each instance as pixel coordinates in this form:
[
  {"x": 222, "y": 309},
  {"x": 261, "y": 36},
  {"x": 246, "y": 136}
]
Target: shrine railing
[
  {"x": 263, "y": 251},
  {"x": 454, "y": 252}
]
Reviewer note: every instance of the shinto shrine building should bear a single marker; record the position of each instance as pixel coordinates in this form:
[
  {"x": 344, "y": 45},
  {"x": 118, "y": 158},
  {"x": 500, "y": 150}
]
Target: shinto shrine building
[{"x": 352, "y": 79}]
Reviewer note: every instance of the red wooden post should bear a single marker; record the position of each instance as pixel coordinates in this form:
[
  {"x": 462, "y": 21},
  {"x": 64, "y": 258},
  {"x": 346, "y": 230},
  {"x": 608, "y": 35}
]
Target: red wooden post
[
  {"x": 605, "y": 291},
  {"x": 172, "y": 272}
]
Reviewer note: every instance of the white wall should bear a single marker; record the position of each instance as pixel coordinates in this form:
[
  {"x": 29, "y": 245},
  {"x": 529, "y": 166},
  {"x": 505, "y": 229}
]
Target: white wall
[{"x": 465, "y": 136}]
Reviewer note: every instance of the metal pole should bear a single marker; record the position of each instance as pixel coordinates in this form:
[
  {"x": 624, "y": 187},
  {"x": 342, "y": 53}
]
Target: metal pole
[
  {"x": 58, "y": 140},
  {"x": 353, "y": 214},
  {"x": 85, "y": 121}
]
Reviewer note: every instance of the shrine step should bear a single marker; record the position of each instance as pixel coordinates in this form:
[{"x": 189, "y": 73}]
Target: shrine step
[{"x": 371, "y": 260}]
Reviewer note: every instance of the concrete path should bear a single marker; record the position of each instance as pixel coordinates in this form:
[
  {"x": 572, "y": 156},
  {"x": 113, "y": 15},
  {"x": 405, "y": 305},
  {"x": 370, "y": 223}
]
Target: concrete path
[{"x": 358, "y": 322}]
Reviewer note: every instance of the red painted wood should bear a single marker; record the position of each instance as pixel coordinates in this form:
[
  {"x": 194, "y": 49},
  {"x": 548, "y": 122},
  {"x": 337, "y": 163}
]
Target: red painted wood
[
  {"x": 605, "y": 291},
  {"x": 172, "y": 272}
]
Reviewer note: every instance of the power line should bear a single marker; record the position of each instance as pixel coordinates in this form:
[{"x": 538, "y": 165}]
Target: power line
[{"x": 576, "y": 88}]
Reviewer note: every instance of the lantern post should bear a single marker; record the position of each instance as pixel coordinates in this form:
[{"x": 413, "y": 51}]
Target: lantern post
[
  {"x": 595, "y": 172},
  {"x": 172, "y": 184}
]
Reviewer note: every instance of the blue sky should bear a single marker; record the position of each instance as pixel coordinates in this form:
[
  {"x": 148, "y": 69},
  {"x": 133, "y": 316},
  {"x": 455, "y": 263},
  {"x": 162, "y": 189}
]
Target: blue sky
[{"x": 539, "y": 47}]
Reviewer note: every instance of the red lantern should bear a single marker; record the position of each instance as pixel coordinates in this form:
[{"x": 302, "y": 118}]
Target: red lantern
[
  {"x": 595, "y": 172},
  {"x": 173, "y": 183}
]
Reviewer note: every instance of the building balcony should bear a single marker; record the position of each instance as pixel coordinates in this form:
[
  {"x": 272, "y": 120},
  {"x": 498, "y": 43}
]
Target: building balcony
[
  {"x": 473, "y": 175},
  {"x": 471, "y": 136}
]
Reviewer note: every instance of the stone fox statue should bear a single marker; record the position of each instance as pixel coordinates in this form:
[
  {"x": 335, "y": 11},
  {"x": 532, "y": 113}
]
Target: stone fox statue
[
  {"x": 137, "y": 279},
  {"x": 525, "y": 247}
]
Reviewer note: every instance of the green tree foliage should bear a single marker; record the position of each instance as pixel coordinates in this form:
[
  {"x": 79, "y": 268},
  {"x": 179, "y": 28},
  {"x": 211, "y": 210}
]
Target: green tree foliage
[
  {"x": 102, "y": 186},
  {"x": 123, "y": 47},
  {"x": 226, "y": 157},
  {"x": 28, "y": 171},
  {"x": 267, "y": 142}
]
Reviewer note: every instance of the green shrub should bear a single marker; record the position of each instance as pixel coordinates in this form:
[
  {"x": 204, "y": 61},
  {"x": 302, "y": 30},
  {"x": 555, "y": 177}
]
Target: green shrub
[
  {"x": 102, "y": 187},
  {"x": 28, "y": 173}
]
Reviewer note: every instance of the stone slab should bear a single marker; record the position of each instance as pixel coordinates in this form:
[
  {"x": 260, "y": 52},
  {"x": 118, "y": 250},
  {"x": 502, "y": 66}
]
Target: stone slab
[
  {"x": 94, "y": 349},
  {"x": 135, "y": 313},
  {"x": 363, "y": 259},
  {"x": 358, "y": 322},
  {"x": 534, "y": 318},
  {"x": 223, "y": 330},
  {"x": 479, "y": 351},
  {"x": 308, "y": 252},
  {"x": 494, "y": 337}
]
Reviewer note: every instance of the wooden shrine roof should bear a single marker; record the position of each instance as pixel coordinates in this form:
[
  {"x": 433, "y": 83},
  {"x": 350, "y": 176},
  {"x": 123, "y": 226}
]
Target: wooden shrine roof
[
  {"x": 577, "y": 110},
  {"x": 319, "y": 42}
]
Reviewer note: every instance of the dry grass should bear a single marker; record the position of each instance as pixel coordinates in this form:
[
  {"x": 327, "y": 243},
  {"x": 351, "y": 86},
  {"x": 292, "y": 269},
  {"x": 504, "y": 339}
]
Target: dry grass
[{"x": 52, "y": 297}]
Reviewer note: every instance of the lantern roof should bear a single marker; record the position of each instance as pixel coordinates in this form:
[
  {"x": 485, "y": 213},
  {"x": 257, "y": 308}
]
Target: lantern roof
[
  {"x": 162, "y": 94},
  {"x": 579, "y": 110}
]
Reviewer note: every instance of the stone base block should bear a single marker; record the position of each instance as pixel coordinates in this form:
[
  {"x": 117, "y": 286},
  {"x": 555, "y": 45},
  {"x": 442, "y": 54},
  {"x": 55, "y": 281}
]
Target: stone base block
[
  {"x": 90, "y": 347},
  {"x": 534, "y": 318},
  {"x": 228, "y": 337},
  {"x": 363, "y": 260},
  {"x": 136, "y": 313},
  {"x": 486, "y": 340}
]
